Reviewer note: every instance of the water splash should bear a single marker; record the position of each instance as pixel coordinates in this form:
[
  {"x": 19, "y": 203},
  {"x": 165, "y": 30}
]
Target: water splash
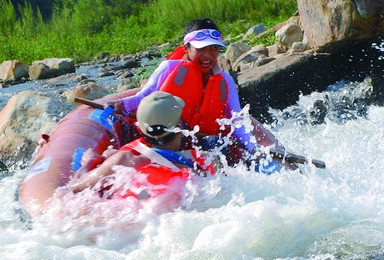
[
  {"x": 342, "y": 102},
  {"x": 380, "y": 47},
  {"x": 335, "y": 213}
]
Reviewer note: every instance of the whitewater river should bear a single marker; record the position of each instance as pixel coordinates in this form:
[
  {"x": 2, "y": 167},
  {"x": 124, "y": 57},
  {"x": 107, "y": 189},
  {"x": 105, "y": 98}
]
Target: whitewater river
[{"x": 332, "y": 213}]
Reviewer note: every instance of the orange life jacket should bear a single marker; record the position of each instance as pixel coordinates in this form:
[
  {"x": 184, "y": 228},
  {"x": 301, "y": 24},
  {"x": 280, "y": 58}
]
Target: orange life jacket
[
  {"x": 177, "y": 54},
  {"x": 203, "y": 105}
]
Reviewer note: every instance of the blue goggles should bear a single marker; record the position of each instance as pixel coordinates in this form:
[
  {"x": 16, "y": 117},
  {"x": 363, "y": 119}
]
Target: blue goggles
[{"x": 200, "y": 35}]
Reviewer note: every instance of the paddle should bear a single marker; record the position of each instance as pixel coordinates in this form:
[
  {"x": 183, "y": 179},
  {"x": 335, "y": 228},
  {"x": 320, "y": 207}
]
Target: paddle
[
  {"x": 290, "y": 157},
  {"x": 88, "y": 102},
  {"x": 294, "y": 158},
  {"x": 95, "y": 104}
]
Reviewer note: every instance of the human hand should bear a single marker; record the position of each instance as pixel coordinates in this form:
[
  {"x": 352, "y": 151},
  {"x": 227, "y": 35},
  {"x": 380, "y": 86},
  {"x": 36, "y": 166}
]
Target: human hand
[
  {"x": 117, "y": 105},
  {"x": 62, "y": 191},
  {"x": 89, "y": 160},
  {"x": 267, "y": 166}
]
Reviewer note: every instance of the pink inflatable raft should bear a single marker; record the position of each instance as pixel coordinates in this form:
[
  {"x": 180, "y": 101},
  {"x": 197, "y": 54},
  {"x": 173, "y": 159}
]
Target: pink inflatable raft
[{"x": 83, "y": 128}]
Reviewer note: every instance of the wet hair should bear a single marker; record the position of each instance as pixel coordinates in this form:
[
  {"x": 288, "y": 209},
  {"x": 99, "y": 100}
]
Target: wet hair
[
  {"x": 160, "y": 141},
  {"x": 198, "y": 24}
]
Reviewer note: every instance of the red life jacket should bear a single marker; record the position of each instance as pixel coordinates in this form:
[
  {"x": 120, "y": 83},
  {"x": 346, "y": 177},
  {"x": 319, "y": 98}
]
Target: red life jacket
[
  {"x": 203, "y": 105},
  {"x": 159, "y": 178},
  {"x": 200, "y": 161}
]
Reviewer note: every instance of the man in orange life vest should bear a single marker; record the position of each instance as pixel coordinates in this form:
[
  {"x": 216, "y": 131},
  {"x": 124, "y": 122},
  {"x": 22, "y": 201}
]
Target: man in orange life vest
[{"x": 156, "y": 154}]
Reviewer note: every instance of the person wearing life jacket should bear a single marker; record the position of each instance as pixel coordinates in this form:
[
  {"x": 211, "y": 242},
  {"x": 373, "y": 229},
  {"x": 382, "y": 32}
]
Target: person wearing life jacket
[
  {"x": 191, "y": 72},
  {"x": 155, "y": 155}
]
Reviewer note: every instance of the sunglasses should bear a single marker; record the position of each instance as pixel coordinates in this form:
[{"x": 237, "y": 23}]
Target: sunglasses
[
  {"x": 201, "y": 35},
  {"x": 156, "y": 130}
]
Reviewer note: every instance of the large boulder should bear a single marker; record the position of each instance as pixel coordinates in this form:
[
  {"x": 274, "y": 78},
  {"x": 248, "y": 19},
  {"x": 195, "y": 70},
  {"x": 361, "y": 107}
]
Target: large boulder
[
  {"x": 89, "y": 90},
  {"x": 325, "y": 21},
  {"x": 343, "y": 41},
  {"x": 27, "y": 115},
  {"x": 49, "y": 68},
  {"x": 13, "y": 70},
  {"x": 279, "y": 83}
]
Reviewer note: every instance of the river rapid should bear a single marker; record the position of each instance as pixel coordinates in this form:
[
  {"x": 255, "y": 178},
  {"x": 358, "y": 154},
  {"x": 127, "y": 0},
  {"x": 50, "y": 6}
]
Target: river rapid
[{"x": 332, "y": 213}]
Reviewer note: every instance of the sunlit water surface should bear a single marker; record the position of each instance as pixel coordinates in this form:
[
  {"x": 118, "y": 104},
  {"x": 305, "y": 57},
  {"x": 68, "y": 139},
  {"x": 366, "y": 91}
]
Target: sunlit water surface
[{"x": 332, "y": 213}]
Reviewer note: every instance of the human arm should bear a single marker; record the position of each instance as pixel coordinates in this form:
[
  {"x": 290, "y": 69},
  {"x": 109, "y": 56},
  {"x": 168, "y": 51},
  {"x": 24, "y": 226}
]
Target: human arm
[
  {"x": 90, "y": 178},
  {"x": 249, "y": 138},
  {"x": 130, "y": 104},
  {"x": 90, "y": 159},
  {"x": 258, "y": 136}
]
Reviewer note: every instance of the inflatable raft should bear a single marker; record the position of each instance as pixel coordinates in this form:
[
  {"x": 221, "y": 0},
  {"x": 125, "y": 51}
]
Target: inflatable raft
[
  {"x": 82, "y": 128},
  {"x": 86, "y": 127}
]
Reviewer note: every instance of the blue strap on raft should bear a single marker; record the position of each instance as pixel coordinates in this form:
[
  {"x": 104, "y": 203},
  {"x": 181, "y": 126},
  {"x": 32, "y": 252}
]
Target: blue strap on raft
[
  {"x": 76, "y": 158},
  {"x": 104, "y": 117},
  {"x": 168, "y": 154},
  {"x": 174, "y": 157}
]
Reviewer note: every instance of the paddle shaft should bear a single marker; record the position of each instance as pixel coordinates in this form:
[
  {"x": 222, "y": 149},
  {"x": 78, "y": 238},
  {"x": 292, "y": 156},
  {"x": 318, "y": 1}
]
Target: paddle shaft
[
  {"x": 290, "y": 157},
  {"x": 88, "y": 102},
  {"x": 294, "y": 158},
  {"x": 95, "y": 104}
]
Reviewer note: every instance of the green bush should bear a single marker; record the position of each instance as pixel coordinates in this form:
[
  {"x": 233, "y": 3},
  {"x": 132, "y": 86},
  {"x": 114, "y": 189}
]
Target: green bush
[{"x": 82, "y": 29}]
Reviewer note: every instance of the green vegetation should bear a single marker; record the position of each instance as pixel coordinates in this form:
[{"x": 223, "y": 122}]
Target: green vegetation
[{"x": 82, "y": 29}]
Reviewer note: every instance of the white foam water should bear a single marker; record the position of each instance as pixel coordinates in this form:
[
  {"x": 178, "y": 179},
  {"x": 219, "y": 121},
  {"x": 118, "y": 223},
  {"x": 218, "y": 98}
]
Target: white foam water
[{"x": 311, "y": 213}]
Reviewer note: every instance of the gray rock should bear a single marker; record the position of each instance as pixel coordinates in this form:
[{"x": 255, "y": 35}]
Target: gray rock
[
  {"x": 50, "y": 68},
  {"x": 235, "y": 50},
  {"x": 89, "y": 90},
  {"x": 13, "y": 70},
  {"x": 289, "y": 34},
  {"x": 27, "y": 115}
]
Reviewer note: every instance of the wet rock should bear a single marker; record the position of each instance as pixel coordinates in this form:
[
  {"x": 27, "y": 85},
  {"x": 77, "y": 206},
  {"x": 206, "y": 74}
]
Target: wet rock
[
  {"x": 90, "y": 90},
  {"x": 105, "y": 74},
  {"x": 318, "y": 112},
  {"x": 3, "y": 167},
  {"x": 50, "y": 68},
  {"x": 131, "y": 64},
  {"x": 25, "y": 117},
  {"x": 13, "y": 70},
  {"x": 66, "y": 79},
  {"x": 125, "y": 74}
]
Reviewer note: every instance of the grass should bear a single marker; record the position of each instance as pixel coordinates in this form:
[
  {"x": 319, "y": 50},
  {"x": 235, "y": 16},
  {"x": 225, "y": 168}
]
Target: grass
[{"x": 83, "y": 29}]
